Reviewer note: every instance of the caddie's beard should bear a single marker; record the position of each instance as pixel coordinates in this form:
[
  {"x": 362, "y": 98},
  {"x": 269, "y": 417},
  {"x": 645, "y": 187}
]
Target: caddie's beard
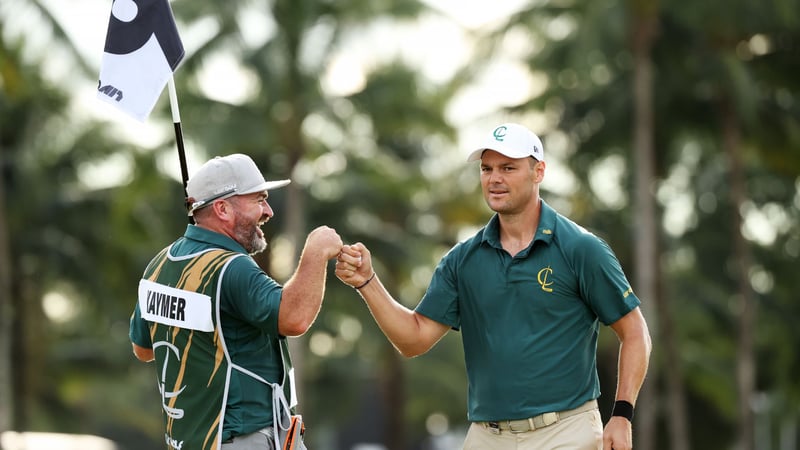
[{"x": 249, "y": 235}]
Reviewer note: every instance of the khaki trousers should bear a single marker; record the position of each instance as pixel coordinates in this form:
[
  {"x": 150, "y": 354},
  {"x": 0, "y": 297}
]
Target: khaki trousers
[
  {"x": 260, "y": 440},
  {"x": 582, "y": 431}
]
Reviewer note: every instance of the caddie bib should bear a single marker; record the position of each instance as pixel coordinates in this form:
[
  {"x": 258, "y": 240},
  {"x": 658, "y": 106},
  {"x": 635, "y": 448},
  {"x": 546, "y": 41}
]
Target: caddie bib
[{"x": 179, "y": 297}]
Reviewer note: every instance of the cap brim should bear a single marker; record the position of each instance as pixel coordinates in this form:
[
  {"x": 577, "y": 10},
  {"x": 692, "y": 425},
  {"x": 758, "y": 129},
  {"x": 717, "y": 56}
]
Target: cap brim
[
  {"x": 265, "y": 186},
  {"x": 276, "y": 184},
  {"x": 476, "y": 154},
  {"x": 499, "y": 147}
]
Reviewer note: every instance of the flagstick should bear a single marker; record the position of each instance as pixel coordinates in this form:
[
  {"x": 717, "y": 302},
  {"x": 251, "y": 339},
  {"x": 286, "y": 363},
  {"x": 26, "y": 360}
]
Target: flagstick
[{"x": 176, "y": 120}]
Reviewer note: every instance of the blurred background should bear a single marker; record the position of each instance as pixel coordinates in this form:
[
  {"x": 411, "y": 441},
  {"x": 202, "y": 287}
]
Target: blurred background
[{"x": 672, "y": 130}]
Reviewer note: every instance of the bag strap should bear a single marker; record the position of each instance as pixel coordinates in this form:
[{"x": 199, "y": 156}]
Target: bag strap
[
  {"x": 283, "y": 409},
  {"x": 280, "y": 414},
  {"x": 288, "y": 382}
]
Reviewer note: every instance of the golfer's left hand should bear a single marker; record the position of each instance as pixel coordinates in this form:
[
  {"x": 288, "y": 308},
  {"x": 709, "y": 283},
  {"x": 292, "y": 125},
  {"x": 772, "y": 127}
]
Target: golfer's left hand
[
  {"x": 618, "y": 434},
  {"x": 354, "y": 264}
]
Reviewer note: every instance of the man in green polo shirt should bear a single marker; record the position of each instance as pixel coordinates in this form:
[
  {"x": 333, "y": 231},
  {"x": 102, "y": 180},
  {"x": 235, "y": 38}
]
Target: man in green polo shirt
[
  {"x": 527, "y": 292},
  {"x": 215, "y": 323}
]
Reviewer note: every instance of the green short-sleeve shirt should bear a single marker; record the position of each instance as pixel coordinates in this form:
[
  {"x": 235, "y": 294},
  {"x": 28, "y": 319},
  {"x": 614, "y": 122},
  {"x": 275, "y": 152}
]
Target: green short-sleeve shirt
[
  {"x": 249, "y": 304},
  {"x": 529, "y": 323}
]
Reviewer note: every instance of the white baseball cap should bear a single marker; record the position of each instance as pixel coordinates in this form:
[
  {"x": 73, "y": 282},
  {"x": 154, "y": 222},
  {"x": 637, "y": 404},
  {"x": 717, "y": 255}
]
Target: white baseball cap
[
  {"x": 226, "y": 176},
  {"x": 512, "y": 140}
]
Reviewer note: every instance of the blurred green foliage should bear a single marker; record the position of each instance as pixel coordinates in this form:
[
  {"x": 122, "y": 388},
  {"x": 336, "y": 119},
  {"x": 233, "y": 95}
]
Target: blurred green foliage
[{"x": 377, "y": 166}]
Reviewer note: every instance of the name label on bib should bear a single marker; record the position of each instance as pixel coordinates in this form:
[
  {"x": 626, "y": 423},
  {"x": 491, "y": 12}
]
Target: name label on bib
[{"x": 175, "y": 307}]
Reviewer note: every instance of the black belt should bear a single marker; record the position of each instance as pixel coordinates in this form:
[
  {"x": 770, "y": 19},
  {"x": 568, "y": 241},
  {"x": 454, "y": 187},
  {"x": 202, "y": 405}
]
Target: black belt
[{"x": 540, "y": 421}]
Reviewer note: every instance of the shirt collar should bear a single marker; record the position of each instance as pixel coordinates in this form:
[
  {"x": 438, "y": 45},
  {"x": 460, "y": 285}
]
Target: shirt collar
[
  {"x": 544, "y": 232},
  {"x": 213, "y": 238}
]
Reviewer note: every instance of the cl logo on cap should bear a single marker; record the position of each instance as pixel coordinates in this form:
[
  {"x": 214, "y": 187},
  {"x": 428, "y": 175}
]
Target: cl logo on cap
[{"x": 499, "y": 133}]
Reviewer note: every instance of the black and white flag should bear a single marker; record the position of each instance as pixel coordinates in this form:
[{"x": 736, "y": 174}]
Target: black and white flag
[{"x": 142, "y": 51}]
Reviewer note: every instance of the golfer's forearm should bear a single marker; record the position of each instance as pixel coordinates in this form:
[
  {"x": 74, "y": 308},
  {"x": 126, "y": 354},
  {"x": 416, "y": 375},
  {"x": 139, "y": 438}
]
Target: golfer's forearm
[
  {"x": 634, "y": 355},
  {"x": 400, "y": 325}
]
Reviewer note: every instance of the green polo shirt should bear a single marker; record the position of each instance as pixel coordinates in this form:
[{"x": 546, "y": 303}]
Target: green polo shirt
[
  {"x": 249, "y": 304},
  {"x": 529, "y": 323}
]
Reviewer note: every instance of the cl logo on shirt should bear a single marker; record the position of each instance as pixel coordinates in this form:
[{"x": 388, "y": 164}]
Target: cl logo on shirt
[{"x": 543, "y": 278}]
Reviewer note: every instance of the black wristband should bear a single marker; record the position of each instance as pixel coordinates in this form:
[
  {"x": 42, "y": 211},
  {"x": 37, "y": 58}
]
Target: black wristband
[
  {"x": 624, "y": 409},
  {"x": 366, "y": 282}
]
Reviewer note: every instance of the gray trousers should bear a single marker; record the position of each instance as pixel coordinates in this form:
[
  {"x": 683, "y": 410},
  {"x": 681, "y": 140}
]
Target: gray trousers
[{"x": 260, "y": 440}]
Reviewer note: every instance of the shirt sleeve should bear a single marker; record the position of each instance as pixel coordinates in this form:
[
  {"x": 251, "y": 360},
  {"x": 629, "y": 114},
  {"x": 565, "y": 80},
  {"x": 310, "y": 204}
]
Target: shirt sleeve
[
  {"x": 139, "y": 332},
  {"x": 440, "y": 302},
  {"x": 250, "y": 295},
  {"x": 603, "y": 284}
]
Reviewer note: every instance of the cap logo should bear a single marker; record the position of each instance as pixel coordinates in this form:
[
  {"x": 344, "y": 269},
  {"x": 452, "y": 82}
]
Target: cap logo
[
  {"x": 225, "y": 189},
  {"x": 499, "y": 133}
]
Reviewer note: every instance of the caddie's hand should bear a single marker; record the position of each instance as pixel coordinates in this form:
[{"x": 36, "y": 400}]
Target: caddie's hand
[
  {"x": 324, "y": 240},
  {"x": 617, "y": 434},
  {"x": 354, "y": 265}
]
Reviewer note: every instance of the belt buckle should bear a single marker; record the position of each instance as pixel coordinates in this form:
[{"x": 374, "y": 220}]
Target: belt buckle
[
  {"x": 526, "y": 426},
  {"x": 549, "y": 418},
  {"x": 493, "y": 427}
]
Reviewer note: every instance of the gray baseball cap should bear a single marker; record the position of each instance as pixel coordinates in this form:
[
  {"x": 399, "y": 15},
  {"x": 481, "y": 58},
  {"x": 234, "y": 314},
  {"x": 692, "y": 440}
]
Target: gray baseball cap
[
  {"x": 512, "y": 140},
  {"x": 226, "y": 176}
]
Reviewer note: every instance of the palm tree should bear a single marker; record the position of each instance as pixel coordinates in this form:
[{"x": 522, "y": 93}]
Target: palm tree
[
  {"x": 6, "y": 318},
  {"x": 12, "y": 74},
  {"x": 644, "y": 28},
  {"x": 726, "y": 60},
  {"x": 26, "y": 98}
]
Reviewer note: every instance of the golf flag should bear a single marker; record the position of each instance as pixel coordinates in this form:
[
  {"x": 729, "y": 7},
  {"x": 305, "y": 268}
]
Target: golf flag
[{"x": 142, "y": 51}]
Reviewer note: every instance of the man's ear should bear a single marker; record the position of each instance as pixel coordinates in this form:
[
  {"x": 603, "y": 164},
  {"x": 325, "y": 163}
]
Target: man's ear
[
  {"x": 538, "y": 170},
  {"x": 223, "y": 210}
]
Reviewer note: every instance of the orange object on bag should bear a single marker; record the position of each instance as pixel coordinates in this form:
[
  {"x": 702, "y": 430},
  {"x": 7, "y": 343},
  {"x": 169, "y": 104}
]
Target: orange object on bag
[{"x": 294, "y": 436}]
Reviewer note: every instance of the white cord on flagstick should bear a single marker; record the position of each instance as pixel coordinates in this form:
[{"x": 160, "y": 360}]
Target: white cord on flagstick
[{"x": 173, "y": 101}]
